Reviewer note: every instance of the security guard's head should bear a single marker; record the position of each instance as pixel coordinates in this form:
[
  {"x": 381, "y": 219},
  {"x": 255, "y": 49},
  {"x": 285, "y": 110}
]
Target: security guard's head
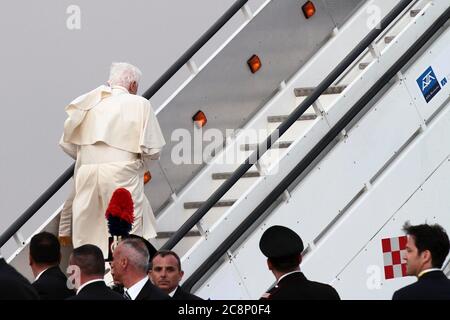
[{"x": 282, "y": 247}]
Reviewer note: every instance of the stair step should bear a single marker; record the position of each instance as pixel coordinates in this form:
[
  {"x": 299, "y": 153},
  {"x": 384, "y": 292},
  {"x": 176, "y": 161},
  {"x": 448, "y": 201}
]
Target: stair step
[
  {"x": 226, "y": 175},
  {"x": 388, "y": 39},
  {"x": 168, "y": 234},
  {"x": 363, "y": 65},
  {"x": 305, "y": 117},
  {"x": 198, "y": 204},
  {"x": 414, "y": 12},
  {"x": 303, "y": 92},
  {"x": 278, "y": 145}
]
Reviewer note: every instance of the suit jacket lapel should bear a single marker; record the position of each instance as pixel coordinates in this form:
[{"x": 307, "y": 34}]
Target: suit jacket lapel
[{"x": 143, "y": 293}]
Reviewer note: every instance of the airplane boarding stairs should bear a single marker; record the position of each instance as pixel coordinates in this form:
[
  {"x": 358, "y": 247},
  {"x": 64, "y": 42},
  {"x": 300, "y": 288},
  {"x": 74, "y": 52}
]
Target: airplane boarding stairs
[
  {"x": 390, "y": 165},
  {"x": 241, "y": 146},
  {"x": 324, "y": 202}
]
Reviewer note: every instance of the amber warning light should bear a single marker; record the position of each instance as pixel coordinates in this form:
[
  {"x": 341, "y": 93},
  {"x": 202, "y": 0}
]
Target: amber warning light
[
  {"x": 309, "y": 9},
  {"x": 147, "y": 177},
  {"x": 254, "y": 63},
  {"x": 199, "y": 119}
]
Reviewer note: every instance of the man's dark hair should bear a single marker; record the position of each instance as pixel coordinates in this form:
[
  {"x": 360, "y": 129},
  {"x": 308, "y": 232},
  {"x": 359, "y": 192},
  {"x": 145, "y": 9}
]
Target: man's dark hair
[
  {"x": 164, "y": 253},
  {"x": 432, "y": 238},
  {"x": 89, "y": 259},
  {"x": 287, "y": 263},
  {"x": 45, "y": 248}
]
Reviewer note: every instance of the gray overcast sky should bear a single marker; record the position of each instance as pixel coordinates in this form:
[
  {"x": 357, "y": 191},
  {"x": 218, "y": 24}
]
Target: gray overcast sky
[{"x": 45, "y": 65}]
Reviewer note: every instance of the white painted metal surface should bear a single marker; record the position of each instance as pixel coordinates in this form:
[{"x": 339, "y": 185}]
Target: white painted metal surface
[
  {"x": 389, "y": 169},
  {"x": 297, "y": 150},
  {"x": 282, "y": 103}
]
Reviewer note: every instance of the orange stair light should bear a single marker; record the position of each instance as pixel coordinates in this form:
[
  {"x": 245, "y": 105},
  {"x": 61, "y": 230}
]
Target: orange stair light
[
  {"x": 309, "y": 9},
  {"x": 254, "y": 63},
  {"x": 199, "y": 119},
  {"x": 147, "y": 177}
]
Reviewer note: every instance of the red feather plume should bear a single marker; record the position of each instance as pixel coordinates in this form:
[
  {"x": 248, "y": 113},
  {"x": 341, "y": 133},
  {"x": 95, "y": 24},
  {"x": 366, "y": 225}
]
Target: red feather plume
[{"x": 121, "y": 206}]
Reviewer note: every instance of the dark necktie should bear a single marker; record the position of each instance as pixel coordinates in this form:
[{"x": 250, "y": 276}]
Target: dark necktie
[{"x": 126, "y": 295}]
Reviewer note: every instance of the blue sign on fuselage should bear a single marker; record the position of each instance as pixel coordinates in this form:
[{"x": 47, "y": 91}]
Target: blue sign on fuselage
[{"x": 428, "y": 84}]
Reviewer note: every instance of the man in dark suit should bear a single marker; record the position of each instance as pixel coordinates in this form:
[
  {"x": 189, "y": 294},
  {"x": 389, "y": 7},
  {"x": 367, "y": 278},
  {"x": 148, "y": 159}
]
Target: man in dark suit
[
  {"x": 166, "y": 273},
  {"x": 283, "y": 248},
  {"x": 45, "y": 255},
  {"x": 118, "y": 287},
  {"x": 88, "y": 265},
  {"x": 426, "y": 250},
  {"x": 130, "y": 267},
  {"x": 14, "y": 286}
]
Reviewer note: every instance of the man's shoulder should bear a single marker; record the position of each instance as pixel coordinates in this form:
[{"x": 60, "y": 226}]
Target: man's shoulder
[
  {"x": 152, "y": 292},
  {"x": 320, "y": 285},
  {"x": 181, "y": 294},
  {"x": 310, "y": 289},
  {"x": 11, "y": 275},
  {"x": 97, "y": 291},
  {"x": 53, "y": 277},
  {"x": 407, "y": 292},
  {"x": 326, "y": 289},
  {"x": 135, "y": 99},
  {"x": 431, "y": 287}
]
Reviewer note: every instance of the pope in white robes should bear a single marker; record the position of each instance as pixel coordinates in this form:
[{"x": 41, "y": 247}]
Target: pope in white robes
[{"x": 112, "y": 133}]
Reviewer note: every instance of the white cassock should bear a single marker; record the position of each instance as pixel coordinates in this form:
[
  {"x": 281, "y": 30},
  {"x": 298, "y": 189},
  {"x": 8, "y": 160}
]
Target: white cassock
[{"x": 111, "y": 134}]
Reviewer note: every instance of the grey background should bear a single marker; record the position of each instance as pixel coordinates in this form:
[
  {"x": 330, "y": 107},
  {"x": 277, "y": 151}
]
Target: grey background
[{"x": 45, "y": 65}]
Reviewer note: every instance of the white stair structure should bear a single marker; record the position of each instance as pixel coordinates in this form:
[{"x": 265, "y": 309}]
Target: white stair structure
[
  {"x": 390, "y": 167},
  {"x": 290, "y": 95},
  {"x": 268, "y": 119},
  {"x": 385, "y": 169}
]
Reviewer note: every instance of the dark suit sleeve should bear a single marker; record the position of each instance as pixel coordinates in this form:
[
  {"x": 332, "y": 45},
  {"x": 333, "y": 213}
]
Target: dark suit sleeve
[
  {"x": 17, "y": 289},
  {"x": 41, "y": 292},
  {"x": 334, "y": 294},
  {"x": 397, "y": 295}
]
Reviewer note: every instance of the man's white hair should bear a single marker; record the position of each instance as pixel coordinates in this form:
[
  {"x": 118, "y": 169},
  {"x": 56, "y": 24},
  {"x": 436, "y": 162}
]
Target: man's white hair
[
  {"x": 137, "y": 253},
  {"x": 123, "y": 74}
]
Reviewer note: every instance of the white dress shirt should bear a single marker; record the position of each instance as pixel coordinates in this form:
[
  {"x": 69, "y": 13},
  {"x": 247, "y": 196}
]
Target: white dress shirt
[
  {"x": 134, "y": 290},
  {"x": 40, "y": 274},
  {"x": 173, "y": 292}
]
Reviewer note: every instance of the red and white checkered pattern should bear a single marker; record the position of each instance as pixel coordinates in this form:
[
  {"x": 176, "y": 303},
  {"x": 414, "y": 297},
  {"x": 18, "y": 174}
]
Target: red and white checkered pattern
[{"x": 393, "y": 251}]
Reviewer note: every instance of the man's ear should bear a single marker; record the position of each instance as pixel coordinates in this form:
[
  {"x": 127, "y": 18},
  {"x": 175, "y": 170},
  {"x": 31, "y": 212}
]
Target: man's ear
[
  {"x": 133, "y": 87},
  {"x": 426, "y": 256},
  {"x": 124, "y": 262},
  {"x": 269, "y": 264}
]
